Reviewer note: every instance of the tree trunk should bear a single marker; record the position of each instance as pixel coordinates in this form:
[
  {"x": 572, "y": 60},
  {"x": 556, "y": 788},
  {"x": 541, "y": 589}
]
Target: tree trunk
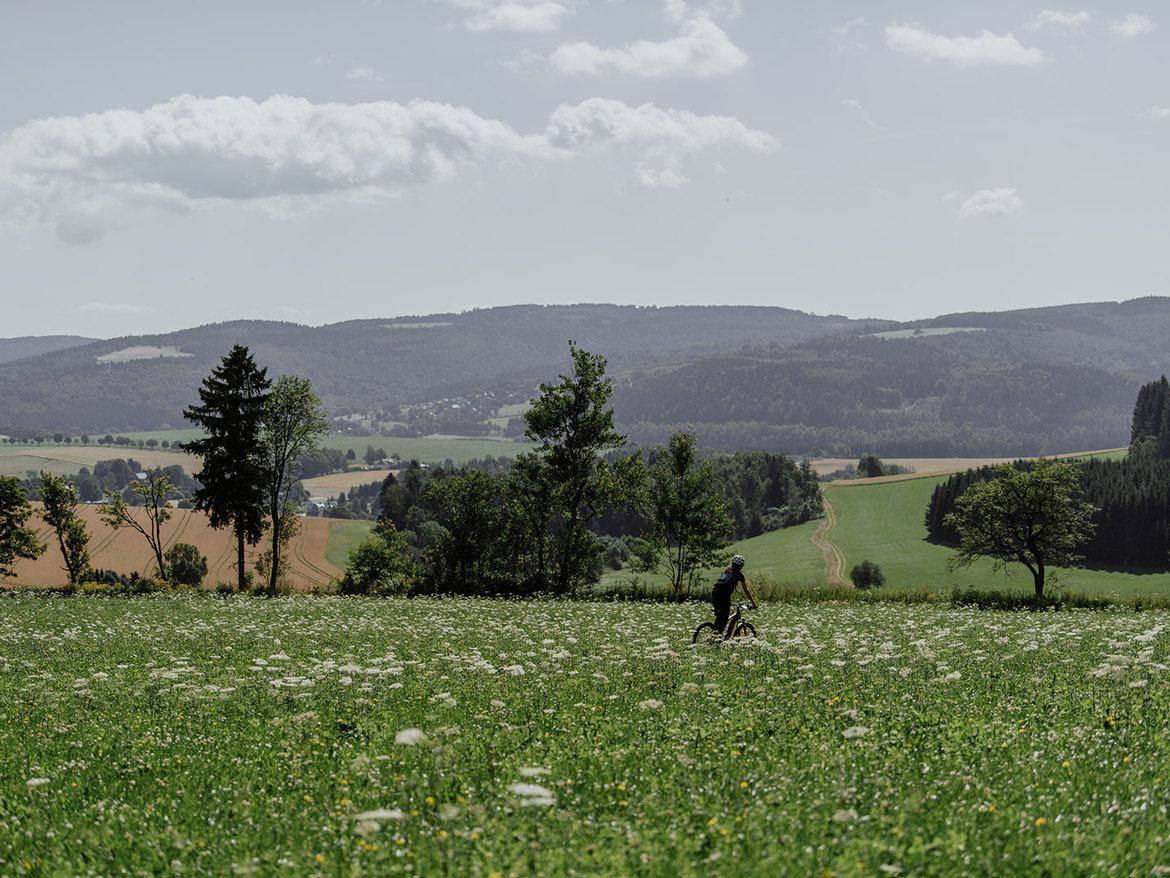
[
  {"x": 272, "y": 574},
  {"x": 243, "y": 582}
]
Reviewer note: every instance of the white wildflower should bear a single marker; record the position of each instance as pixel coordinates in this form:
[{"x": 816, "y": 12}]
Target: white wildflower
[
  {"x": 36, "y": 782},
  {"x": 410, "y": 736},
  {"x": 381, "y": 814},
  {"x": 855, "y": 732},
  {"x": 533, "y": 772},
  {"x": 650, "y": 704},
  {"x": 532, "y": 794}
]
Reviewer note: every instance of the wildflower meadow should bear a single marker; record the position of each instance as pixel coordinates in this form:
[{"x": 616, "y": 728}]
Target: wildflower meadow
[{"x": 196, "y": 735}]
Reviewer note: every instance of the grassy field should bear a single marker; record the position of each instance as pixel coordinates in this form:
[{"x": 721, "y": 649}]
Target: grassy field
[
  {"x": 330, "y": 736},
  {"x": 883, "y": 523},
  {"x": 343, "y": 537},
  {"x": 67, "y": 460},
  {"x": 17, "y": 460}
]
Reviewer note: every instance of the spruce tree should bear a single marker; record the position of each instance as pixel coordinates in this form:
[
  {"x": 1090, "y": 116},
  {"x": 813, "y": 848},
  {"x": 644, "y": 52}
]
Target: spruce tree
[{"x": 231, "y": 412}]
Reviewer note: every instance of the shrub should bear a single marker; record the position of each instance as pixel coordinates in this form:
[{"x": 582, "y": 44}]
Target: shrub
[
  {"x": 186, "y": 565},
  {"x": 867, "y": 575},
  {"x": 375, "y": 568}
]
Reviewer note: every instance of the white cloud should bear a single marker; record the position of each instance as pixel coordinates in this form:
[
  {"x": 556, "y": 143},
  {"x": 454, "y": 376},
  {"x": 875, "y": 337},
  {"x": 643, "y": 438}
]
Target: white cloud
[
  {"x": 843, "y": 34},
  {"x": 1155, "y": 113},
  {"x": 992, "y": 202},
  {"x": 364, "y": 73},
  {"x": 703, "y": 49},
  {"x": 86, "y": 174},
  {"x": 1131, "y": 26},
  {"x": 512, "y": 15},
  {"x": 987, "y": 48},
  {"x": 679, "y": 11},
  {"x": 856, "y": 105},
  {"x": 600, "y": 123},
  {"x": 1058, "y": 18}
]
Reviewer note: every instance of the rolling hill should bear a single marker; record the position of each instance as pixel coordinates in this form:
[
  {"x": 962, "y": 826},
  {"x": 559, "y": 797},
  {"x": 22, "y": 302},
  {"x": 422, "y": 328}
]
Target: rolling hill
[
  {"x": 144, "y": 382},
  {"x": 1017, "y": 383}
]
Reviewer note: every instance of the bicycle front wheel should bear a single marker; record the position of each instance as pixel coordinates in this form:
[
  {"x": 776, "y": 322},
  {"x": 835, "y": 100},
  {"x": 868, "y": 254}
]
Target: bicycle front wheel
[
  {"x": 745, "y": 629},
  {"x": 705, "y": 633}
]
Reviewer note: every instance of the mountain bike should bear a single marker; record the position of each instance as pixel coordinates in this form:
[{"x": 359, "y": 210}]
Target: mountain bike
[{"x": 737, "y": 626}]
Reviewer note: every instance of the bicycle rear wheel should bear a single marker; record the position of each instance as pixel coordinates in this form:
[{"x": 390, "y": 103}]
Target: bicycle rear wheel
[
  {"x": 744, "y": 629},
  {"x": 705, "y": 633}
]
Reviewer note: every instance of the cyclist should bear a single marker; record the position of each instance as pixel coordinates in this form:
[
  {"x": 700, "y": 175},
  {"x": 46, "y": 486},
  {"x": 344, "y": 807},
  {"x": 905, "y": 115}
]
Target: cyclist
[{"x": 728, "y": 581}]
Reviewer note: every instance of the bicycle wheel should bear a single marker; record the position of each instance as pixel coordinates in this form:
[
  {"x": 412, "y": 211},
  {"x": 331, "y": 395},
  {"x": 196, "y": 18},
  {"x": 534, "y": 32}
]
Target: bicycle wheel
[
  {"x": 745, "y": 629},
  {"x": 705, "y": 633}
]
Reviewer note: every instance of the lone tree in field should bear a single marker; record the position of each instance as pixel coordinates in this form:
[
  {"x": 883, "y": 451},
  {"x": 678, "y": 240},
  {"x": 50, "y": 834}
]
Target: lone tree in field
[
  {"x": 688, "y": 525},
  {"x": 231, "y": 412},
  {"x": 16, "y": 540},
  {"x": 573, "y": 428},
  {"x": 1031, "y": 516},
  {"x": 186, "y": 564},
  {"x": 59, "y": 510},
  {"x": 295, "y": 423},
  {"x": 153, "y": 491}
]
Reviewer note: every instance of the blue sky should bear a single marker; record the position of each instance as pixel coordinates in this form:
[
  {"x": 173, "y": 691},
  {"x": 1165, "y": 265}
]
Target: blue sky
[{"x": 165, "y": 165}]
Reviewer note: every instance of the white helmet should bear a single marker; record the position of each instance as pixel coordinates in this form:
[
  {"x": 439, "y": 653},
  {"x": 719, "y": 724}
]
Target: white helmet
[{"x": 737, "y": 561}]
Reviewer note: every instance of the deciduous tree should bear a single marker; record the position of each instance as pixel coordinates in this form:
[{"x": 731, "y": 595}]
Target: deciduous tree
[
  {"x": 295, "y": 423},
  {"x": 153, "y": 490},
  {"x": 187, "y": 565},
  {"x": 16, "y": 540},
  {"x": 1032, "y": 516},
  {"x": 233, "y": 400},
  {"x": 573, "y": 426},
  {"x": 59, "y": 502},
  {"x": 688, "y": 525}
]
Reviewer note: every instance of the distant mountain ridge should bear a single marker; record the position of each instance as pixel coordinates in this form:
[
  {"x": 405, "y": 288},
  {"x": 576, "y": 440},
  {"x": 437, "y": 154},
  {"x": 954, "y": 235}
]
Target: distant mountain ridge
[
  {"x": 364, "y": 365},
  {"x": 35, "y": 345},
  {"x": 1028, "y": 382},
  {"x": 1032, "y": 381}
]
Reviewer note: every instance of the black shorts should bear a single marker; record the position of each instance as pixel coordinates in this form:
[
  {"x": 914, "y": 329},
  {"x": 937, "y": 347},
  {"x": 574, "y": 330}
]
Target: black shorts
[{"x": 721, "y": 603}]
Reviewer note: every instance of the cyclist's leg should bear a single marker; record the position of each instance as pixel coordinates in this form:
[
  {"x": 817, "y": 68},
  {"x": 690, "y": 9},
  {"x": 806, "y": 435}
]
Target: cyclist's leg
[{"x": 722, "y": 611}]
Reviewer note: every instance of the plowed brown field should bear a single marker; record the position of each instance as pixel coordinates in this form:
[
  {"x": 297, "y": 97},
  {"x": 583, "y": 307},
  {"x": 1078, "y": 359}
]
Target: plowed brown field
[{"x": 126, "y": 551}]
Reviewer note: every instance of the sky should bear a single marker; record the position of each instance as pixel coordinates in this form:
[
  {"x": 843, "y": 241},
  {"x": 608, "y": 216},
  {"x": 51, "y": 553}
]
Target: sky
[{"x": 170, "y": 164}]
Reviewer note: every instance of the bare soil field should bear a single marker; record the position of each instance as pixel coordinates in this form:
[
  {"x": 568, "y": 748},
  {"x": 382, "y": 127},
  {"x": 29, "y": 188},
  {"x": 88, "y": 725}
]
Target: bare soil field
[
  {"x": 126, "y": 551},
  {"x": 332, "y": 485}
]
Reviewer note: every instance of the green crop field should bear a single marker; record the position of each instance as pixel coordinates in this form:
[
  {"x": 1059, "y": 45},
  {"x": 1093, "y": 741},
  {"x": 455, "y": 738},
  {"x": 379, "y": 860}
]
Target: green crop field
[{"x": 330, "y": 736}]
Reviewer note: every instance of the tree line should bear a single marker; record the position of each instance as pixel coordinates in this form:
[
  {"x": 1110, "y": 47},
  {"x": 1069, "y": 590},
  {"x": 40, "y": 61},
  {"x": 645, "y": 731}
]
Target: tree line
[
  {"x": 543, "y": 522},
  {"x": 1130, "y": 496},
  {"x": 539, "y": 523}
]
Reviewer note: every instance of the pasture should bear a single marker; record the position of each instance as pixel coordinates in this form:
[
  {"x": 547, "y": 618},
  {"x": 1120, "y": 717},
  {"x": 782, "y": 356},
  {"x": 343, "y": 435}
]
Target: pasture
[
  {"x": 883, "y": 522},
  {"x": 329, "y": 736}
]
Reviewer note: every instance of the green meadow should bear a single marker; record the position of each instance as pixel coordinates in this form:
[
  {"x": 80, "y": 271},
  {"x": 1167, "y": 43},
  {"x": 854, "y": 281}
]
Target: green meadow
[
  {"x": 882, "y": 522},
  {"x": 194, "y": 735}
]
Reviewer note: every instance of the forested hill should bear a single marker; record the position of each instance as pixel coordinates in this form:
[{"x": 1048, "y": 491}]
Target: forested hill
[
  {"x": 144, "y": 382},
  {"x": 1017, "y": 383},
  {"x": 35, "y": 345},
  {"x": 1014, "y": 383}
]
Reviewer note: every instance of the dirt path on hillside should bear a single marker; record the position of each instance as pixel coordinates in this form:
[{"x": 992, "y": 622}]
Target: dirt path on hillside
[{"x": 834, "y": 557}]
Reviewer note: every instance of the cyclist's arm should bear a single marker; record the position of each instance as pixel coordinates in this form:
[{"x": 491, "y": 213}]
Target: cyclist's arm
[{"x": 748, "y": 593}]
